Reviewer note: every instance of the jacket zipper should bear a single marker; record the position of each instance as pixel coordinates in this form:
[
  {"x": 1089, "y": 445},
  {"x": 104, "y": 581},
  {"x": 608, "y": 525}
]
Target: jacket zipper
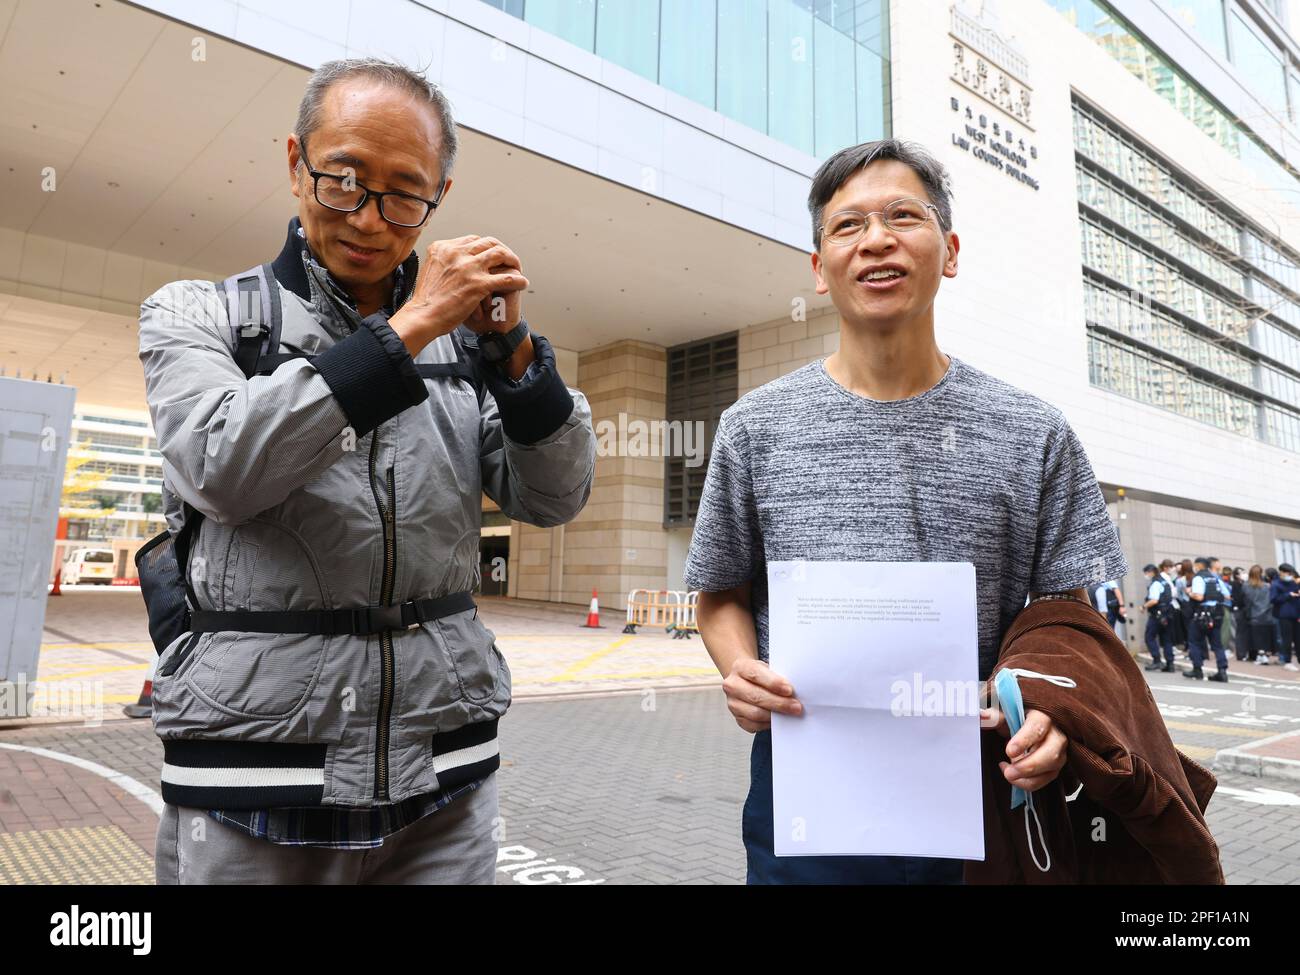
[
  {"x": 389, "y": 517},
  {"x": 388, "y": 514}
]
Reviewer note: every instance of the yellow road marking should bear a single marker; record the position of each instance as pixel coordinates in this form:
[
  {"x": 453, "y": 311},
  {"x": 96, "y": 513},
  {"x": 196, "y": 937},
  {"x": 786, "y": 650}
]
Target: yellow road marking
[
  {"x": 138, "y": 645},
  {"x": 1216, "y": 729},
  {"x": 685, "y": 672},
  {"x": 568, "y": 672},
  {"x": 565, "y": 637},
  {"x": 629, "y": 675},
  {"x": 92, "y": 671}
]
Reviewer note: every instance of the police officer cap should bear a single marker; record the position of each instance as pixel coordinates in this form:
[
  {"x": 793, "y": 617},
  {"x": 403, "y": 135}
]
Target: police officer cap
[{"x": 1149, "y": 567}]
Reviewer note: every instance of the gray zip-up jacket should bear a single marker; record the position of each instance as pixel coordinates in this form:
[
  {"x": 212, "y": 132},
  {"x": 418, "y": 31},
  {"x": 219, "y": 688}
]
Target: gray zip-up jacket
[{"x": 340, "y": 482}]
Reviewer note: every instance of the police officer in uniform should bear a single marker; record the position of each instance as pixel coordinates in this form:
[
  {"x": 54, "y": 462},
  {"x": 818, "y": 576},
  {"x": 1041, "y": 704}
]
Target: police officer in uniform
[
  {"x": 1209, "y": 595},
  {"x": 1160, "y": 611}
]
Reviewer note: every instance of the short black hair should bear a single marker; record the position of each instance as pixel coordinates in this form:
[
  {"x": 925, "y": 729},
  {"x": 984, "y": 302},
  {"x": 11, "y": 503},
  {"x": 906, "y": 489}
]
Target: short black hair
[
  {"x": 841, "y": 167},
  {"x": 1286, "y": 567},
  {"x": 1201, "y": 560},
  {"x": 1150, "y": 567}
]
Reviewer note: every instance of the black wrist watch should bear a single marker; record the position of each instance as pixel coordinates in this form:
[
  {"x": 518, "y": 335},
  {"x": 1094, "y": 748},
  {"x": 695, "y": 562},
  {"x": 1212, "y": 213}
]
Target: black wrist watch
[{"x": 497, "y": 347}]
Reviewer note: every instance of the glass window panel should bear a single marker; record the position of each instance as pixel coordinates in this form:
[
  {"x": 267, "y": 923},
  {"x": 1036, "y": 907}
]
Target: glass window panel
[
  {"x": 687, "y": 45},
  {"x": 1205, "y": 19},
  {"x": 871, "y": 26},
  {"x": 873, "y": 95},
  {"x": 1258, "y": 65},
  {"x": 627, "y": 33},
  {"x": 1096, "y": 20},
  {"x": 742, "y": 62},
  {"x": 835, "y": 64},
  {"x": 573, "y": 20},
  {"x": 790, "y": 74}
]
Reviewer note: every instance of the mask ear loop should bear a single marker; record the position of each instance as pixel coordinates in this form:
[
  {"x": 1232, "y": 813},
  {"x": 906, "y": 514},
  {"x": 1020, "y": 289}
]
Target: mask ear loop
[
  {"x": 1029, "y": 808},
  {"x": 1029, "y": 805},
  {"x": 1050, "y": 678}
]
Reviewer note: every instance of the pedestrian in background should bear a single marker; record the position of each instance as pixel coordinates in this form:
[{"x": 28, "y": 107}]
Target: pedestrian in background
[
  {"x": 1183, "y": 591},
  {"x": 1269, "y": 575},
  {"x": 1160, "y": 612},
  {"x": 1212, "y": 598},
  {"x": 1177, "y": 631},
  {"x": 1257, "y": 634},
  {"x": 1232, "y": 615},
  {"x": 1284, "y": 595}
]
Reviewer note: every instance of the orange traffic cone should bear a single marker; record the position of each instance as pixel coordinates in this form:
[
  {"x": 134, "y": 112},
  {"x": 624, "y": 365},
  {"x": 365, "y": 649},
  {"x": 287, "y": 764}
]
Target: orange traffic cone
[
  {"x": 593, "y": 614},
  {"x": 58, "y": 574},
  {"x": 143, "y": 708}
]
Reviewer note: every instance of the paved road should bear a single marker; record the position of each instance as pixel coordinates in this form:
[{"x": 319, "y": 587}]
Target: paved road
[{"x": 626, "y": 788}]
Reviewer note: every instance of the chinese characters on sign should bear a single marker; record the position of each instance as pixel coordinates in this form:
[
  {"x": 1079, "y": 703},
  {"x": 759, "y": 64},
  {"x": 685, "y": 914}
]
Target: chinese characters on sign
[
  {"x": 995, "y": 143},
  {"x": 977, "y": 73},
  {"x": 990, "y": 66}
]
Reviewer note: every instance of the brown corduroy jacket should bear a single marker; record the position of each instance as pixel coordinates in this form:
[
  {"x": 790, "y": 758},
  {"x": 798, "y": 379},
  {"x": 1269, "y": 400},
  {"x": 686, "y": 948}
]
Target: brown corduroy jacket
[{"x": 1139, "y": 817}]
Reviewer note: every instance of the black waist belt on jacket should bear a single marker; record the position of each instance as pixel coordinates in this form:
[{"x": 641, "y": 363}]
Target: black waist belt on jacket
[{"x": 366, "y": 620}]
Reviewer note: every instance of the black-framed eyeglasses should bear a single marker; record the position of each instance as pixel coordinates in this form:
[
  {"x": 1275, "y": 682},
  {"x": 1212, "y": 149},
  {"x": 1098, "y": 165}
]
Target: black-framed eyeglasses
[
  {"x": 846, "y": 227},
  {"x": 345, "y": 194}
]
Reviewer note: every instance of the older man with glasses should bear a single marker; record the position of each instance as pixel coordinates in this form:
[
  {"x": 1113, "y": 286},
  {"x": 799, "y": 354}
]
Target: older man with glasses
[{"x": 329, "y": 714}]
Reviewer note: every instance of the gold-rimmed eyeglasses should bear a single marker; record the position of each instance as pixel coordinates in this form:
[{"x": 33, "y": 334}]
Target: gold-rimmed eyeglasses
[{"x": 846, "y": 227}]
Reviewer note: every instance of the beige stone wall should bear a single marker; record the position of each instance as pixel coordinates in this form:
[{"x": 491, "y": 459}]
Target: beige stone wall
[
  {"x": 772, "y": 349},
  {"x": 617, "y": 542}
]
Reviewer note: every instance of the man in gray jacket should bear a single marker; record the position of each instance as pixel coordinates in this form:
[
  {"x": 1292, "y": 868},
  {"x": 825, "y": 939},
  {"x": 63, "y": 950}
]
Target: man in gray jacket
[{"x": 330, "y": 715}]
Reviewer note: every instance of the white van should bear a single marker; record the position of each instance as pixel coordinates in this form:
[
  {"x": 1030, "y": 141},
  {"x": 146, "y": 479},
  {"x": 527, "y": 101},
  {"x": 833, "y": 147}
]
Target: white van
[{"x": 88, "y": 565}]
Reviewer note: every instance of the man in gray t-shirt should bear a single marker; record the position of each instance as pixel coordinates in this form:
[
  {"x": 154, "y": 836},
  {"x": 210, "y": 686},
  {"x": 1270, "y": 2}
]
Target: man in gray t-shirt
[
  {"x": 971, "y": 470},
  {"x": 887, "y": 451}
]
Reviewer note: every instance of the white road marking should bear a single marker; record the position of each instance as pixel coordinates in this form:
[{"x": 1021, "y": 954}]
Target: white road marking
[
  {"x": 1264, "y": 797},
  {"x": 124, "y": 782},
  {"x": 526, "y": 866}
]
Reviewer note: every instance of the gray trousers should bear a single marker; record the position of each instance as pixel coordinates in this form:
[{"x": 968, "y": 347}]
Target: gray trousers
[{"x": 454, "y": 845}]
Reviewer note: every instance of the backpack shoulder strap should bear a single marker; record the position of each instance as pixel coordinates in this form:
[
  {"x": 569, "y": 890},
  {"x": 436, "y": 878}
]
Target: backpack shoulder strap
[
  {"x": 182, "y": 542},
  {"x": 463, "y": 368},
  {"x": 253, "y": 316},
  {"x": 253, "y": 312}
]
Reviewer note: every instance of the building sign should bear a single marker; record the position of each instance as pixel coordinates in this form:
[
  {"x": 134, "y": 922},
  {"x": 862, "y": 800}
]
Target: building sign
[
  {"x": 994, "y": 143},
  {"x": 995, "y": 125}
]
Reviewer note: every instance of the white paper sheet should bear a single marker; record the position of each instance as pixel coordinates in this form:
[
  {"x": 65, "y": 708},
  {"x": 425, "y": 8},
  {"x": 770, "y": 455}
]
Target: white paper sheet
[{"x": 885, "y": 759}]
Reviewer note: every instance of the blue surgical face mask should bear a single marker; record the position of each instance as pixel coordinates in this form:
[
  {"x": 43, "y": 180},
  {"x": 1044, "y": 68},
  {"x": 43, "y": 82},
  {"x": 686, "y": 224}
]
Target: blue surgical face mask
[{"x": 1007, "y": 687}]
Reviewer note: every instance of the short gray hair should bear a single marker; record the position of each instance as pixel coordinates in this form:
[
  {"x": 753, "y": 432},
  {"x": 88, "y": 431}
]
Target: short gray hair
[
  {"x": 381, "y": 72},
  {"x": 841, "y": 167}
]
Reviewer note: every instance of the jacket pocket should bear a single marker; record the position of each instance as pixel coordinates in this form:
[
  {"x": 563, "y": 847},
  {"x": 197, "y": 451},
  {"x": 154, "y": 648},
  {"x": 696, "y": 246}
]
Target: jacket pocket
[
  {"x": 259, "y": 565},
  {"x": 258, "y": 675},
  {"x": 471, "y": 653}
]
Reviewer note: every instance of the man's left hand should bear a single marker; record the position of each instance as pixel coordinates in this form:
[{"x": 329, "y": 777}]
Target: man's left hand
[
  {"x": 497, "y": 312},
  {"x": 1037, "y": 752}
]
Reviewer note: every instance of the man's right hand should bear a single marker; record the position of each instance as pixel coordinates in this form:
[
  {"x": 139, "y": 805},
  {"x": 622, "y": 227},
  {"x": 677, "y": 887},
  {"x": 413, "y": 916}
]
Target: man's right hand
[
  {"x": 754, "y": 691},
  {"x": 455, "y": 277}
]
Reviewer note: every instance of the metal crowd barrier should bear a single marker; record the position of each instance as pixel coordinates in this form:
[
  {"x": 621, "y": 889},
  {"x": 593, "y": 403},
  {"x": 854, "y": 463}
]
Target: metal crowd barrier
[{"x": 673, "y": 609}]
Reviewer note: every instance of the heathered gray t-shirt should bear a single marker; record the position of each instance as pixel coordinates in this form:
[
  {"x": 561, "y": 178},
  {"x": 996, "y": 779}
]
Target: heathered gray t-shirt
[{"x": 971, "y": 470}]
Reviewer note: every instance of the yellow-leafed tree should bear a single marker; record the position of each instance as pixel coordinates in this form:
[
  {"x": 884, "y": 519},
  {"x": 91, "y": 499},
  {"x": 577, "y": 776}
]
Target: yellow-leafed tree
[{"x": 78, "y": 500}]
